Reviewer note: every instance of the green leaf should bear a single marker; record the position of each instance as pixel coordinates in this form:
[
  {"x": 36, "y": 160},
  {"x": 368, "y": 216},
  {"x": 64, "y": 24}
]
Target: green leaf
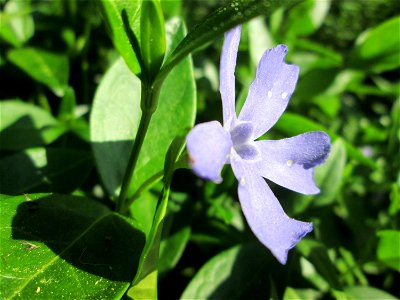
[
  {"x": 260, "y": 39},
  {"x": 224, "y": 18},
  {"x": 46, "y": 67},
  {"x": 123, "y": 20},
  {"x": 363, "y": 293},
  {"x": 17, "y": 25},
  {"x": 152, "y": 33},
  {"x": 237, "y": 273},
  {"x": 307, "y": 17},
  {"x": 171, "y": 8},
  {"x": 67, "y": 106},
  {"x": 394, "y": 207},
  {"x": 301, "y": 294},
  {"x": 23, "y": 125},
  {"x": 44, "y": 170},
  {"x": 328, "y": 176},
  {"x": 143, "y": 209},
  {"x": 317, "y": 256},
  {"x": 54, "y": 246},
  {"x": 378, "y": 49},
  {"x": 144, "y": 285},
  {"x": 388, "y": 248},
  {"x": 115, "y": 118}
]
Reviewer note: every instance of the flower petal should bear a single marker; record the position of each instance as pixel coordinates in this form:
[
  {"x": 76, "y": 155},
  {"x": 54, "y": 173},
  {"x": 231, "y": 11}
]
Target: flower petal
[
  {"x": 227, "y": 72},
  {"x": 271, "y": 90},
  {"x": 209, "y": 145},
  {"x": 289, "y": 162},
  {"x": 264, "y": 214}
]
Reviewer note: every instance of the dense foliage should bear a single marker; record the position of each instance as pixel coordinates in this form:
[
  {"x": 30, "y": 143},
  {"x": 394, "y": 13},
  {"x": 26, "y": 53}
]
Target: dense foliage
[{"x": 85, "y": 82}]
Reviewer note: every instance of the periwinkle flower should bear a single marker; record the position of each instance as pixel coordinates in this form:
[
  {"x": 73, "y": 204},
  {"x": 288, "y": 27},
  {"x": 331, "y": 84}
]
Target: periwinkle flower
[{"x": 287, "y": 162}]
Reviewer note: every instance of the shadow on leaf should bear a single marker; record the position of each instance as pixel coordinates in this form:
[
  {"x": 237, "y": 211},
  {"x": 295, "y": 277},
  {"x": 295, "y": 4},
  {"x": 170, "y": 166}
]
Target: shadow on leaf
[{"x": 83, "y": 233}]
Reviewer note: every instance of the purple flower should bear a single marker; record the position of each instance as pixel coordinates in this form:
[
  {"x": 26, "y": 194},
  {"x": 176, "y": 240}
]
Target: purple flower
[{"x": 287, "y": 162}]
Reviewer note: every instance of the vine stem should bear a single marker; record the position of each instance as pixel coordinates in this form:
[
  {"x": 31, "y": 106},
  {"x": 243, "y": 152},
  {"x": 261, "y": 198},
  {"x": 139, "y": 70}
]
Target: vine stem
[{"x": 149, "y": 99}]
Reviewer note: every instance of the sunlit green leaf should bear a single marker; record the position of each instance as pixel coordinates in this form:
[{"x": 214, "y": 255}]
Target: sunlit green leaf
[
  {"x": 378, "y": 49},
  {"x": 44, "y": 170},
  {"x": 23, "y": 125},
  {"x": 123, "y": 20},
  {"x": 301, "y": 294},
  {"x": 259, "y": 39},
  {"x": 67, "y": 106},
  {"x": 17, "y": 25},
  {"x": 56, "y": 246},
  {"x": 307, "y": 17},
  {"x": 49, "y": 68},
  {"x": 362, "y": 293},
  {"x": 388, "y": 250},
  {"x": 152, "y": 36}
]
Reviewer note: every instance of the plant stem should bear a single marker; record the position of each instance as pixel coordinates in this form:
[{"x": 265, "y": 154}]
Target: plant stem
[{"x": 149, "y": 99}]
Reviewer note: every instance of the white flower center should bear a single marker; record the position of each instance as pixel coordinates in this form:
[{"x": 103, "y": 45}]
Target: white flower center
[{"x": 242, "y": 136}]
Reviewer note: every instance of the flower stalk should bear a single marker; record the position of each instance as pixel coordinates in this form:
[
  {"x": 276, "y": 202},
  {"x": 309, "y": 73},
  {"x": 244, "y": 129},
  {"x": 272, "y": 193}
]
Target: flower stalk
[{"x": 148, "y": 105}]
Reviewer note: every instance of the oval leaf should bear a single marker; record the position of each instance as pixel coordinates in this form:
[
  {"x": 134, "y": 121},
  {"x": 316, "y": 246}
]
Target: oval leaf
[
  {"x": 307, "y": 17},
  {"x": 123, "y": 20},
  {"x": 378, "y": 49},
  {"x": 56, "y": 246},
  {"x": 17, "y": 25},
  {"x": 23, "y": 125},
  {"x": 46, "y": 67}
]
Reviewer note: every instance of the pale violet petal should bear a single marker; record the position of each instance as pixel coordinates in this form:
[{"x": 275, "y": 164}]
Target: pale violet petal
[
  {"x": 271, "y": 90},
  {"x": 227, "y": 73},
  {"x": 208, "y": 145},
  {"x": 264, "y": 214},
  {"x": 289, "y": 162},
  {"x": 242, "y": 132}
]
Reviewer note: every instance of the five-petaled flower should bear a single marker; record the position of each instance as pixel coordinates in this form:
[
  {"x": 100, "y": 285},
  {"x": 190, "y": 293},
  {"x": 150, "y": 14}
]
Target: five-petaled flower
[{"x": 287, "y": 162}]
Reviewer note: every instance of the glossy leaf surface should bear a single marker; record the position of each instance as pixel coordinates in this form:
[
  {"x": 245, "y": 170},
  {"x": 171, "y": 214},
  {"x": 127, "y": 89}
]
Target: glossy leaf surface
[
  {"x": 23, "y": 125},
  {"x": 123, "y": 20},
  {"x": 378, "y": 49},
  {"x": 49, "y": 68},
  {"x": 152, "y": 31},
  {"x": 56, "y": 246}
]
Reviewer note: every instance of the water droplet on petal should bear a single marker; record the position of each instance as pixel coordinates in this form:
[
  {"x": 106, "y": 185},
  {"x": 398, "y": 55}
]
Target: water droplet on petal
[
  {"x": 269, "y": 94},
  {"x": 289, "y": 162},
  {"x": 284, "y": 95},
  {"x": 242, "y": 181}
]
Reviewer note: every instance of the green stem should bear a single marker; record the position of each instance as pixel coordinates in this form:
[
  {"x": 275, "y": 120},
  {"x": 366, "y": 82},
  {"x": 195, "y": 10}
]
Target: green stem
[{"x": 149, "y": 99}]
